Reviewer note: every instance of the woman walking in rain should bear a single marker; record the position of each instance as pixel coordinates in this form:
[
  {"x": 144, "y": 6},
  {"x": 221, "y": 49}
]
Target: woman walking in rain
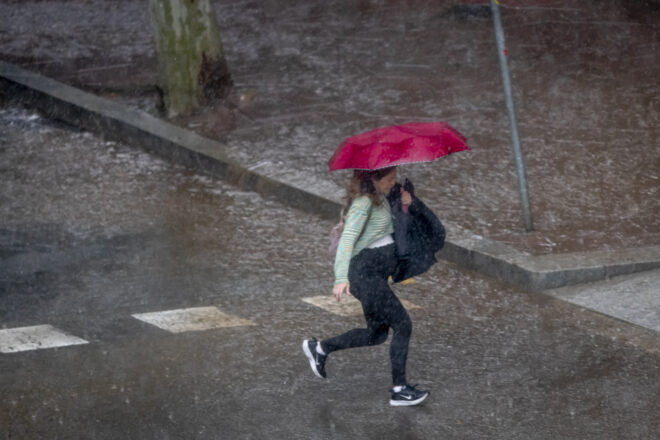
[
  {"x": 388, "y": 232},
  {"x": 366, "y": 257}
]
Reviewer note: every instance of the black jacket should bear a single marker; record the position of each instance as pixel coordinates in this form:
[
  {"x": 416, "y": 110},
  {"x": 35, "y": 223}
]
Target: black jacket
[{"x": 418, "y": 234}]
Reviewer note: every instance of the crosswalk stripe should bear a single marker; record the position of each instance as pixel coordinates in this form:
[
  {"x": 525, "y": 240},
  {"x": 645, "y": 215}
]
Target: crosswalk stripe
[
  {"x": 349, "y": 306},
  {"x": 36, "y": 337},
  {"x": 191, "y": 319}
]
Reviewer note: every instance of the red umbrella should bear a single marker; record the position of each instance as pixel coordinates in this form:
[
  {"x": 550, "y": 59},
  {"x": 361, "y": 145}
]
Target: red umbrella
[{"x": 396, "y": 145}]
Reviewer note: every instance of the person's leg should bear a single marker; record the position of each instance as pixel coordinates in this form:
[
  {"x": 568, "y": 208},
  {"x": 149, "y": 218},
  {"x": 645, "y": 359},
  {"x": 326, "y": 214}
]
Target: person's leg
[
  {"x": 358, "y": 337},
  {"x": 317, "y": 352},
  {"x": 397, "y": 317},
  {"x": 374, "y": 334},
  {"x": 389, "y": 312},
  {"x": 399, "y": 320},
  {"x": 364, "y": 273},
  {"x": 382, "y": 309}
]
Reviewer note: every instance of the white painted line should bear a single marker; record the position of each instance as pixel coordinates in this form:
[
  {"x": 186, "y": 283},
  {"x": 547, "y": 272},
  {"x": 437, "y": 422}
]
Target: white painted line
[
  {"x": 37, "y": 337},
  {"x": 349, "y": 306},
  {"x": 193, "y": 319}
]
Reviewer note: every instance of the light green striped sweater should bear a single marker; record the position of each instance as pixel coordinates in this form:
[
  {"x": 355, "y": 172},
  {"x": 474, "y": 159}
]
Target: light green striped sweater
[{"x": 351, "y": 242}]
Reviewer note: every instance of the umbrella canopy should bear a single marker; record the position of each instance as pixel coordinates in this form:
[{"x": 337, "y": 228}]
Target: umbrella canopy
[{"x": 397, "y": 145}]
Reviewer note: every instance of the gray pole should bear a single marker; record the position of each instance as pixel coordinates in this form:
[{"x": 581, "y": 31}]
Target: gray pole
[{"x": 515, "y": 140}]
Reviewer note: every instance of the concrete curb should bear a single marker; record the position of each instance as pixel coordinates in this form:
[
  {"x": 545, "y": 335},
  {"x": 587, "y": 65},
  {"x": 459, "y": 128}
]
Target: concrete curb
[{"x": 112, "y": 120}]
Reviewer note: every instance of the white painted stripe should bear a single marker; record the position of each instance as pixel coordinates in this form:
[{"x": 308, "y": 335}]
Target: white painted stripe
[
  {"x": 38, "y": 337},
  {"x": 349, "y": 306},
  {"x": 193, "y": 319}
]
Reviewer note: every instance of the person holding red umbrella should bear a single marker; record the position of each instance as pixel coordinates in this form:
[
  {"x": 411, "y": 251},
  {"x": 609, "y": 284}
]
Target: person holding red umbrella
[
  {"x": 366, "y": 257},
  {"x": 381, "y": 210}
]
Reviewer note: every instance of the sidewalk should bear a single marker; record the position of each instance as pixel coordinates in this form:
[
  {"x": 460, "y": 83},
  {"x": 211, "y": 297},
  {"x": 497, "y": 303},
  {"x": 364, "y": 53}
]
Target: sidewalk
[
  {"x": 631, "y": 298},
  {"x": 311, "y": 73}
]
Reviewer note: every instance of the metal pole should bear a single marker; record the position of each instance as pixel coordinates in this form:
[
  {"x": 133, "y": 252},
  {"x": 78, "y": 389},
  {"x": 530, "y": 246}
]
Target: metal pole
[{"x": 515, "y": 139}]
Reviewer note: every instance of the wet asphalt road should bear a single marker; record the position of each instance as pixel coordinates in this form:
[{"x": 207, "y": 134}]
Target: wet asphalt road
[{"x": 93, "y": 232}]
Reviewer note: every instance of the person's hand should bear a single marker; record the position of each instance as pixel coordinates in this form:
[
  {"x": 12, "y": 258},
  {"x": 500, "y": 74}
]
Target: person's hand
[
  {"x": 339, "y": 289},
  {"x": 406, "y": 198}
]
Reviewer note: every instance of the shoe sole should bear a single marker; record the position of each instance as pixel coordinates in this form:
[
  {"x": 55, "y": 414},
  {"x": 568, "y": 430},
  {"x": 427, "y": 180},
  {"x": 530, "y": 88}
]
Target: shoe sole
[
  {"x": 310, "y": 357},
  {"x": 409, "y": 402}
]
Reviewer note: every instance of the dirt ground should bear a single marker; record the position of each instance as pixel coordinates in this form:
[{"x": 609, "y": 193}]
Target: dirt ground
[{"x": 310, "y": 73}]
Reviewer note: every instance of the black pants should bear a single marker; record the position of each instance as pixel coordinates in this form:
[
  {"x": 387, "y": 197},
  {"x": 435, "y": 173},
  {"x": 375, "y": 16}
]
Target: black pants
[{"x": 367, "y": 274}]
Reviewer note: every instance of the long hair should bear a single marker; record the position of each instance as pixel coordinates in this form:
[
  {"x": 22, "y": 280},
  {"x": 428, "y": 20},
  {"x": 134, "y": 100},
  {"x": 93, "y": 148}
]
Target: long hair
[{"x": 361, "y": 184}]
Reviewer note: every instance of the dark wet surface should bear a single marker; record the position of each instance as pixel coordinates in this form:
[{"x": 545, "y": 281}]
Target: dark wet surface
[
  {"x": 94, "y": 231},
  {"x": 72, "y": 201},
  {"x": 310, "y": 73}
]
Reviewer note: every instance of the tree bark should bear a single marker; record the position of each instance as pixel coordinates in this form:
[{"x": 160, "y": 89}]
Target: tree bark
[{"x": 192, "y": 67}]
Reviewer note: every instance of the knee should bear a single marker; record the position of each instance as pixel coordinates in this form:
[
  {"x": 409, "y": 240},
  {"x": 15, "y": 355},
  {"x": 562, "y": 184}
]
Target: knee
[{"x": 379, "y": 335}]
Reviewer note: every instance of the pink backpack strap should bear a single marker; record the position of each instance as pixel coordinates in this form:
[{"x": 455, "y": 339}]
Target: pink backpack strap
[{"x": 335, "y": 235}]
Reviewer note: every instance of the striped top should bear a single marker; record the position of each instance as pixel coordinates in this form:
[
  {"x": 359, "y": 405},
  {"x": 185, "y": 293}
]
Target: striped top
[{"x": 351, "y": 242}]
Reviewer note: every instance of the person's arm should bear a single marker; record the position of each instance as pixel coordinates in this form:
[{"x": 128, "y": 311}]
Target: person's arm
[{"x": 355, "y": 222}]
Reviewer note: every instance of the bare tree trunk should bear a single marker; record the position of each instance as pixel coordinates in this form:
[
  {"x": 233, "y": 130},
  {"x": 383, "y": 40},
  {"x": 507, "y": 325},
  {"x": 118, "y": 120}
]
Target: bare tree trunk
[{"x": 191, "y": 62}]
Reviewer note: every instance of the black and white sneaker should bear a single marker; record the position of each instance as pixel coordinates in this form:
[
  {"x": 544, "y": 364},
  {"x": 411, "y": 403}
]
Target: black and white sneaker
[
  {"x": 316, "y": 360},
  {"x": 408, "y": 396}
]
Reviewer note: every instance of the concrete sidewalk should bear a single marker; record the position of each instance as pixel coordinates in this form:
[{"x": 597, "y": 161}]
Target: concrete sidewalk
[
  {"x": 309, "y": 73},
  {"x": 632, "y": 298}
]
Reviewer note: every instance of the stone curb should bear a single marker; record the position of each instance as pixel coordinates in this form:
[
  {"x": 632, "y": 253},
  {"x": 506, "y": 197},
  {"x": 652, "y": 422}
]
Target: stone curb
[{"x": 113, "y": 120}]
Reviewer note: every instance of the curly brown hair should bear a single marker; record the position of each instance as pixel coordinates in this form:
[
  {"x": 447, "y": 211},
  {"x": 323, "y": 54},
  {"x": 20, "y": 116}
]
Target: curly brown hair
[{"x": 361, "y": 184}]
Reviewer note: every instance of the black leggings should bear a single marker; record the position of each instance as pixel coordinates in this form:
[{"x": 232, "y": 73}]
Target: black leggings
[{"x": 367, "y": 274}]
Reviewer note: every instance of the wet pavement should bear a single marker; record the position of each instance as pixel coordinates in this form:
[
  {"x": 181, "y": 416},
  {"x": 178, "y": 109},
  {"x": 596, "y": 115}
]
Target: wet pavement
[
  {"x": 310, "y": 73},
  {"x": 94, "y": 232}
]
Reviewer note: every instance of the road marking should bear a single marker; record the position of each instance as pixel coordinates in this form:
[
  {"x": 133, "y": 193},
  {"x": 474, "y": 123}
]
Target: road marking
[
  {"x": 37, "y": 337},
  {"x": 192, "y": 319},
  {"x": 349, "y": 306}
]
